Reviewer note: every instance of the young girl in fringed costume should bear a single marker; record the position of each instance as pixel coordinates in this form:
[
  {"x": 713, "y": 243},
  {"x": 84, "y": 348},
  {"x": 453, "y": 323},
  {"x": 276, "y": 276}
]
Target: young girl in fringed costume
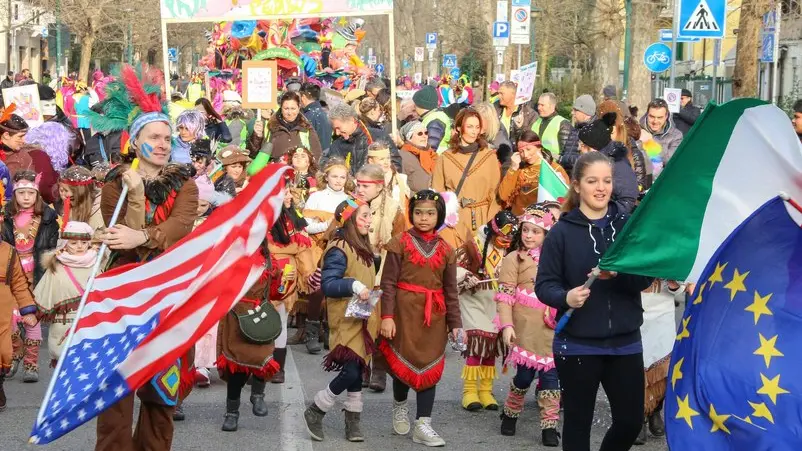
[
  {"x": 15, "y": 296},
  {"x": 292, "y": 249},
  {"x": 528, "y": 329},
  {"x": 420, "y": 305},
  {"x": 238, "y": 358},
  {"x": 206, "y": 347},
  {"x": 66, "y": 272},
  {"x": 33, "y": 228},
  {"x": 234, "y": 162},
  {"x": 480, "y": 260},
  {"x": 348, "y": 271},
  {"x": 334, "y": 184},
  {"x": 80, "y": 197}
]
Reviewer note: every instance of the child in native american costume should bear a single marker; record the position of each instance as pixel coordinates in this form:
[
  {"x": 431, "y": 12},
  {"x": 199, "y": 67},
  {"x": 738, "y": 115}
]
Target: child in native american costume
[
  {"x": 292, "y": 249},
  {"x": 528, "y": 328},
  {"x": 334, "y": 184},
  {"x": 33, "y": 228},
  {"x": 387, "y": 221},
  {"x": 206, "y": 347},
  {"x": 420, "y": 305},
  {"x": 80, "y": 197},
  {"x": 348, "y": 271},
  {"x": 234, "y": 162},
  {"x": 15, "y": 294},
  {"x": 165, "y": 199},
  {"x": 239, "y": 358},
  {"x": 479, "y": 262},
  {"x": 66, "y": 272},
  {"x": 658, "y": 334}
]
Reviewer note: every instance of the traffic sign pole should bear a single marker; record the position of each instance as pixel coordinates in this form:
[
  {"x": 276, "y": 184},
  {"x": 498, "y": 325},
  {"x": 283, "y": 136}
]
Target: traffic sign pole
[
  {"x": 776, "y": 71},
  {"x": 716, "y": 62},
  {"x": 674, "y": 32}
]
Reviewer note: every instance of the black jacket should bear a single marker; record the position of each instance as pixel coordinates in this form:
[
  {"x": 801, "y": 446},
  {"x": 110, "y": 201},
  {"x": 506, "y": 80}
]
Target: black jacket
[
  {"x": 686, "y": 117},
  {"x": 111, "y": 147},
  {"x": 315, "y": 114},
  {"x": 218, "y": 131},
  {"x": 625, "y": 182},
  {"x": 613, "y": 314},
  {"x": 570, "y": 153},
  {"x": 357, "y": 146},
  {"x": 46, "y": 238}
]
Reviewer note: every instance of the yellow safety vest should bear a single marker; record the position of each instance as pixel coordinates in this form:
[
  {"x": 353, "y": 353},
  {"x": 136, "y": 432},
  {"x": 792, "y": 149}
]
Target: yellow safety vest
[{"x": 550, "y": 137}]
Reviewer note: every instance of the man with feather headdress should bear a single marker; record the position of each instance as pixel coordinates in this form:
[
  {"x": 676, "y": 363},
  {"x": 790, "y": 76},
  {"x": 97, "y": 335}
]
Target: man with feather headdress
[{"x": 168, "y": 198}]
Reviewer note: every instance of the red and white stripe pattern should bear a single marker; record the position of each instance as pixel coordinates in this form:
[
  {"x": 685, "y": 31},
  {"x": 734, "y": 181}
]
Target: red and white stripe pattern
[{"x": 139, "y": 319}]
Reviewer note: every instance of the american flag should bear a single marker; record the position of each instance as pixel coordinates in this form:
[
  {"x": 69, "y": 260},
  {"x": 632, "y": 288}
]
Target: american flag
[{"x": 139, "y": 319}]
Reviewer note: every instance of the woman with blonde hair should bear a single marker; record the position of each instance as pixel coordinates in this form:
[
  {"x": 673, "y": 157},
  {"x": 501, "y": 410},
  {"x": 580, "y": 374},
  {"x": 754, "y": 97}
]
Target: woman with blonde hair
[
  {"x": 622, "y": 132},
  {"x": 495, "y": 134}
]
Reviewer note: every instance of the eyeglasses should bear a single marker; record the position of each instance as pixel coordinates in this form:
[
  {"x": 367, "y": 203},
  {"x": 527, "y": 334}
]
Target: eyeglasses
[{"x": 423, "y": 133}]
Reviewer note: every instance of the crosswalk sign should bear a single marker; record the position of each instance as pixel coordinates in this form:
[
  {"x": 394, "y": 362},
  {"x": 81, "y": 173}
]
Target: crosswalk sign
[{"x": 702, "y": 18}]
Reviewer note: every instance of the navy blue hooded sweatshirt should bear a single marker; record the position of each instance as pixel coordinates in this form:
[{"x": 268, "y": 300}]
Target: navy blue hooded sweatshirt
[{"x": 613, "y": 314}]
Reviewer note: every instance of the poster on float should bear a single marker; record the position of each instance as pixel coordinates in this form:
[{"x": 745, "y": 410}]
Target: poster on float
[{"x": 26, "y": 99}]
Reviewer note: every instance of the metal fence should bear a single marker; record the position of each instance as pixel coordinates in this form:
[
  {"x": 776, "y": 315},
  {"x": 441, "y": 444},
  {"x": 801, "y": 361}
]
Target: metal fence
[{"x": 701, "y": 87}]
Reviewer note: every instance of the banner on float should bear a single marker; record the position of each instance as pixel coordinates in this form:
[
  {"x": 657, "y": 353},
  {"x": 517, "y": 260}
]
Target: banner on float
[{"x": 183, "y": 10}]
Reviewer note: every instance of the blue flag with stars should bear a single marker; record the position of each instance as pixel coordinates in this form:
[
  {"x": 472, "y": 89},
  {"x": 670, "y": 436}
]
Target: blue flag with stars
[{"x": 735, "y": 380}]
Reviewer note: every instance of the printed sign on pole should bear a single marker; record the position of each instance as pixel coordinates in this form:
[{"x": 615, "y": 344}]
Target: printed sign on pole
[
  {"x": 172, "y": 54},
  {"x": 449, "y": 61},
  {"x": 672, "y": 98},
  {"x": 657, "y": 57},
  {"x": 418, "y": 77},
  {"x": 520, "y": 22},
  {"x": 767, "y": 48},
  {"x": 665, "y": 36},
  {"x": 525, "y": 78},
  {"x": 431, "y": 54},
  {"x": 501, "y": 34},
  {"x": 499, "y": 57},
  {"x": 259, "y": 84},
  {"x": 703, "y": 18},
  {"x": 418, "y": 54},
  {"x": 500, "y": 78},
  {"x": 431, "y": 40},
  {"x": 502, "y": 11},
  {"x": 380, "y": 68}
]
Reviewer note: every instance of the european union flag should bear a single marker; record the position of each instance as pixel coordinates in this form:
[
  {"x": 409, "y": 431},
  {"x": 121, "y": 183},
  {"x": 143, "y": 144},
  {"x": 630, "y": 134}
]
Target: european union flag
[{"x": 735, "y": 380}]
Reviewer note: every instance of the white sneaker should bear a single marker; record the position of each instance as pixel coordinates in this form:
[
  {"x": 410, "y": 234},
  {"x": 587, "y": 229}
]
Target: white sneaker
[
  {"x": 400, "y": 418},
  {"x": 425, "y": 435}
]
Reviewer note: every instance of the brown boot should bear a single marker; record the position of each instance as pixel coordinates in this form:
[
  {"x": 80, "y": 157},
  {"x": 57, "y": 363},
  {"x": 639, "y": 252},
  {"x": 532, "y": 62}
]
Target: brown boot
[
  {"x": 280, "y": 356},
  {"x": 300, "y": 332}
]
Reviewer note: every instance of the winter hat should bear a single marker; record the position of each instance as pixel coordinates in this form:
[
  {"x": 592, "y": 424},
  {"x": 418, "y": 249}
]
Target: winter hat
[
  {"x": 596, "y": 135},
  {"x": 201, "y": 148},
  {"x": 425, "y": 98},
  {"x": 77, "y": 176},
  {"x": 585, "y": 104},
  {"x": 609, "y": 91},
  {"x": 231, "y": 96},
  {"x": 76, "y": 230},
  {"x": 410, "y": 129},
  {"x": 494, "y": 87},
  {"x": 538, "y": 217},
  {"x": 233, "y": 154},
  {"x": 686, "y": 93},
  {"x": 205, "y": 188}
]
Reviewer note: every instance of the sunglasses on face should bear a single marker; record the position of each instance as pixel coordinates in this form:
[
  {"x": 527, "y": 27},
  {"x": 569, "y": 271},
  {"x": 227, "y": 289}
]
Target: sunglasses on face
[{"x": 423, "y": 133}]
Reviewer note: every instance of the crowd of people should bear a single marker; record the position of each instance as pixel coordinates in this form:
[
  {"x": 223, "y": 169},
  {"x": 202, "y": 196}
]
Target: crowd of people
[{"x": 389, "y": 246}]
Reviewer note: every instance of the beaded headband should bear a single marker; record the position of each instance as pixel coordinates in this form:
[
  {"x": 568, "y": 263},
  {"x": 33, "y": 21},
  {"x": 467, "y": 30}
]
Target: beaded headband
[{"x": 25, "y": 183}]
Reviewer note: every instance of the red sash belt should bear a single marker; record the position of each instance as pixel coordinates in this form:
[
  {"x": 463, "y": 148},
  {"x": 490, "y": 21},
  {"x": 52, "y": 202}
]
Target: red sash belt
[{"x": 435, "y": 297}]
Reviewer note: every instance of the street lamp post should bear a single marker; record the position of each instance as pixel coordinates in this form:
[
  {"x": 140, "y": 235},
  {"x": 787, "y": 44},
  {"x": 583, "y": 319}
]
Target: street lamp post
[
  {"x": 58, "y": 39},
  {"x": 130, "y": 43},
  {"x": 627, "y": 49}
]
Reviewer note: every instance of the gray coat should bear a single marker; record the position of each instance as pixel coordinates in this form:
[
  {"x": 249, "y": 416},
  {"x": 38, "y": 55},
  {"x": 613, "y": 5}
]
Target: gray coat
[{"x": 669, "y": 138}]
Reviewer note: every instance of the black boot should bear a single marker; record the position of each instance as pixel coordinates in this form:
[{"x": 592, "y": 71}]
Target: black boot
[
  {"x": 656, "y": 424},
  {"x": 232, "y": 415},
  {"x": 280, "y": 356},
  {"x": 2, "y": 395},
  {"x": 550, "y": 437},
  {"x": 324, "y": 334},
  {"x": 642, "y": 437},
  {"x": 258, "y": 397},
  {"x": 508, "y": 425},
  {"x": 313, "y": 337}
]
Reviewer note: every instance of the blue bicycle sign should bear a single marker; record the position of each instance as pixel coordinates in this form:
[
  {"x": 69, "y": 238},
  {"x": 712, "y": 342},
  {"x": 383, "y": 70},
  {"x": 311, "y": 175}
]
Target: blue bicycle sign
[{"x": 657, "y": 57}]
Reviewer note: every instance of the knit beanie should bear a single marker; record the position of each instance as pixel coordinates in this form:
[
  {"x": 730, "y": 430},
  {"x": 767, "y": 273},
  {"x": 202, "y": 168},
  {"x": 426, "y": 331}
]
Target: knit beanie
[
  {"x": 425, "y": 98},
  {"x": 597, "y": 134},
  {"x": 410, "y": 128}
]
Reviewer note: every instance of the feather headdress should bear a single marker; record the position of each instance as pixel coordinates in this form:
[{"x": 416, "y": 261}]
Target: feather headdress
[{"x": 132, "y": 94}]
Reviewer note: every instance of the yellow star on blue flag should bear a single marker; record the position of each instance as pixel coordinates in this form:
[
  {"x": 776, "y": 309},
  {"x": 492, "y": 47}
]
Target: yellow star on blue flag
[{"x": 736, "y": 379}]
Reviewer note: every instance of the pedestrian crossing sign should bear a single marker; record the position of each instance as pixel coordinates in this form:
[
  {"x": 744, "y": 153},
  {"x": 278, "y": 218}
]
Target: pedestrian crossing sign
[{"x": 702, "y": 19}]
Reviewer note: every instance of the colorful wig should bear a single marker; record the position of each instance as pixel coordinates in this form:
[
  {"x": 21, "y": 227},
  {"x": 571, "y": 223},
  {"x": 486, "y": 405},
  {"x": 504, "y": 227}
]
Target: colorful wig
[
  {"x": 194, "y": 121},
  {"x": 55, "y": 140}
]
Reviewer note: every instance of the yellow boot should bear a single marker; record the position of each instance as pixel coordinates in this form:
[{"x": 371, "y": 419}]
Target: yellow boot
[
  {"x": 470, "y": 396},
  {"x": 486, "y": 388}
]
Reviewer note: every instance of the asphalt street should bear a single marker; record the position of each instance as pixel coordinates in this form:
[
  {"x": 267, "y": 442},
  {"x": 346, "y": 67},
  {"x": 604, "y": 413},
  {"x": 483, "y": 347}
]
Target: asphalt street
[{"x": 283, "y": 428}]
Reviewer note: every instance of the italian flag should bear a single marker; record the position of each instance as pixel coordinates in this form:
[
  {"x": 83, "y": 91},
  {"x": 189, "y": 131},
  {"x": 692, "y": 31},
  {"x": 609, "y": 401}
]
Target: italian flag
[
  {"x": 551, "y": 185},
  {"x": 736, "y": 157}
]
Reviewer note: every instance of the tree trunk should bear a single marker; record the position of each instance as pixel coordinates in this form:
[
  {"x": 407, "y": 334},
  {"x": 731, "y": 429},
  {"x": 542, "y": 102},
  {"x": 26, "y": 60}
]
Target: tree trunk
[
  {"x": 543, "y": 58},
  {"x": 609, "y": 31},
  {"x": 744, "y": 76},
  {"x": 643, "y": 31},
  {"x": 87, "y": 42}
]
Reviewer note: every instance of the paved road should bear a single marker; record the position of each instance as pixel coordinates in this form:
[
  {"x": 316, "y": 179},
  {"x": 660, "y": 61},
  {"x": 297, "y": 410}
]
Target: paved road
[{"x": 283, "y": 428}]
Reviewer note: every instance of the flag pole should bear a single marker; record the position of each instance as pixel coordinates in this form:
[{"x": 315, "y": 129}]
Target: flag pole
[
  {"x": 596, "y": 272},
  {"x": 784, "y": 196},
  {"x": 82, "y": 304}
]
